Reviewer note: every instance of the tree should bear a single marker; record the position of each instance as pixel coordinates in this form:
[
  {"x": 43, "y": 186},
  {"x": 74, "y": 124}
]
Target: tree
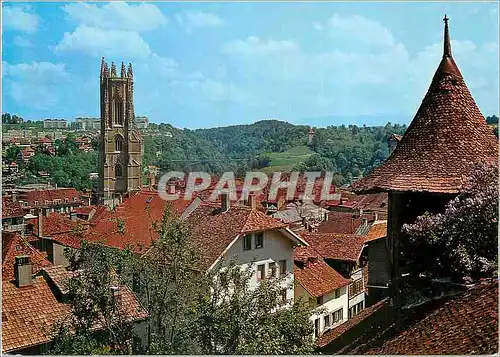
[
  {"x": 93, "y": 304},
  {"x": 461, "y": 242},
  {"x": 11, "y": 153},
  {"x": 236, "y": 319},
  {"x": 166, "y": 280}
]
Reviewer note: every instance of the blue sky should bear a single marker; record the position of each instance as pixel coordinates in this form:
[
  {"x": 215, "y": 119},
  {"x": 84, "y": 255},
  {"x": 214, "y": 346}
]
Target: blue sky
[{"x": 216, "y": 64}]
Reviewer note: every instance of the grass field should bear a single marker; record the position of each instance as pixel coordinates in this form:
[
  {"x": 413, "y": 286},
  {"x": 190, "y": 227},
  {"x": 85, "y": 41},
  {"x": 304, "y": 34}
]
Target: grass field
[{"x": 286, "y": 160}]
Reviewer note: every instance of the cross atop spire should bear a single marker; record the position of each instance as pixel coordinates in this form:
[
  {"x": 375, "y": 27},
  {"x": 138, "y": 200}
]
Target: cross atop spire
[{"x": 447, "y": 42}]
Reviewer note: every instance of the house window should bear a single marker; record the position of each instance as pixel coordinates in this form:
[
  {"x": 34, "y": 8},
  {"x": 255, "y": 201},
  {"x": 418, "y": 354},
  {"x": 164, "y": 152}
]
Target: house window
[
  {"x": 259, "y": 240},
  {"x": 272, "y": 270},
  {"x": 337, "y": 293},
  {"x": 247, "y": 242},
  {"x": 316, "y": 327},
  {"x": 66, "y": 199},
  {"x": 327, "y": 321},
  {"x": 36, "y": 203},
  {"x": 282, "y": 264},
  {"x": 337, "y": 315},
  {"x": 319, "y": 300},
  {"x": 261, "y": 272},
  {"x": 283, "y": 295},
  {"x": 356, "y": 309}
]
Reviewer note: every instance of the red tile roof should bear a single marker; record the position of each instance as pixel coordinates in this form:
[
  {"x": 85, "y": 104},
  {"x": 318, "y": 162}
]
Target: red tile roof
[
  {"x": 447, "y": 136},
  {"x": 467, "y": 324},
  {"x": 137, "y": 212},
  {"x": 50, "y": 195},
  {"x": 61, "y": 229},
  {"x": 14, "y": 245},
  {"x": 11, "y": 208},
  {"x": 314, "y": 274},
  {"x": 213, "y": 230},
  {"x": 335, "y": 246},
  {"x": 377, "y": 230},
  {"x": 342, "y": 222},
  {"x": 29, "y": 312}
]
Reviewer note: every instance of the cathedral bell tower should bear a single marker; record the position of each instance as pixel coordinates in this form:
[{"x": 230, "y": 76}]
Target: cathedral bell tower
[{"x": 120, "y": 143}]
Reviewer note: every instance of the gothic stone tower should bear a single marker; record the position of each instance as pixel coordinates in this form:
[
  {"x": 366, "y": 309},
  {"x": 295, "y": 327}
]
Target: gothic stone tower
[{"x": 120, "y": 142}]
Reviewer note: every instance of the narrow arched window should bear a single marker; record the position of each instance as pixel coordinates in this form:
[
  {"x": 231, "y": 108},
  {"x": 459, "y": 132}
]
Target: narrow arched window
[
  {"x": 118, "y": 112},
  {"x": 118, "y": 143},
  {"x": 118, "y": 170}
]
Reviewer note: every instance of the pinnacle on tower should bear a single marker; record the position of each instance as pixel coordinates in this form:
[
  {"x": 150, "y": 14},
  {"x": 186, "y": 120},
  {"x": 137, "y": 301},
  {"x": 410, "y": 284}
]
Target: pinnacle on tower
[
  {"x": 113, "y": 69},
  {"x": 123, "y": 74},
  {"x": 130, "y": 74},
  {"x": 102, "y": 66},
  {"x": 447, "y": 42}
]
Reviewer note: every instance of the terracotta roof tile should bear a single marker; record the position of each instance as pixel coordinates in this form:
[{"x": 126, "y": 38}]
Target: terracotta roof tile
[
  {"x": 467, "y": 324},
  {"x": 61, "y": 229},
  {"x": 378, "y": 230},
  {"x": 14, "y": 245},
  {"x": 447, "y": 136},
  {"x": 137, "y": 212},
  {"x": 11, "y": 208},
  {"x": 335, "y": 246},
  {"x": 213, "y": 230},
  {"x": 341, "y": 222},
  {"x": 29, "y": 312},
  {"x": 50, "y": 195},
  {"x": 314, "y": 274}
]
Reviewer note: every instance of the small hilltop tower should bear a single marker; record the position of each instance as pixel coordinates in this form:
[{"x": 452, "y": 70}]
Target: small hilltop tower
[
  {"x": 310, "y": 136},
  {"x": 120, "y": 144}
]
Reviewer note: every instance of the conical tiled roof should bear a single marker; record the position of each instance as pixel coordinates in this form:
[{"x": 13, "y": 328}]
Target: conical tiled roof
[{"x": 446, "y": 137}]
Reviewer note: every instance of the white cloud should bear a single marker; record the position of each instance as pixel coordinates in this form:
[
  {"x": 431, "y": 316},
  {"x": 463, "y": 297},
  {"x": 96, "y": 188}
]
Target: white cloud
[
  {"x": 256, "y": 46},
  {"x": 33, "y": 82},
  {"x": 99, "y": 42},
  {"x": 117, "y": 15},
  {"x": 19, "y": 18},
  {"x": 361, "y": 29},
  {"x": 191, "y": 21},
  {"x": 349, "y": 80},
  {"x": 22, "y": 42}
]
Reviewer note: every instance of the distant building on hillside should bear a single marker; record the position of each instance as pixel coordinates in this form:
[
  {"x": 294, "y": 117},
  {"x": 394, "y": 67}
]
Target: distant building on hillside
[
  {"x": 310, "y": 136},
  {"x": 87, "y": 123},
  {"x": 55, "y": 124},
  {"x": 141, "y": 122}
]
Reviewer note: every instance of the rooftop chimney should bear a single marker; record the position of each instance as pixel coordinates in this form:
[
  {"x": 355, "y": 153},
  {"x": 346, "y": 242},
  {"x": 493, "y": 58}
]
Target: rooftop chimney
[
  {"x": 225, "y": 204},
  {"x": 23, "y": 271},
  {"x": 40, "y": 225},
  {"x": 250, "y": 200},
  {"x": 73, "y": 216}
]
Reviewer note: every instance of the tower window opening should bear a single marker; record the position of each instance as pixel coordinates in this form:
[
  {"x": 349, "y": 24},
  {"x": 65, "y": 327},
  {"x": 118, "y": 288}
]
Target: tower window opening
[
  {"x": 118, "y": 112},
  {"x": 118, "y": 170},
  {"x": 118, "y": 143}
]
